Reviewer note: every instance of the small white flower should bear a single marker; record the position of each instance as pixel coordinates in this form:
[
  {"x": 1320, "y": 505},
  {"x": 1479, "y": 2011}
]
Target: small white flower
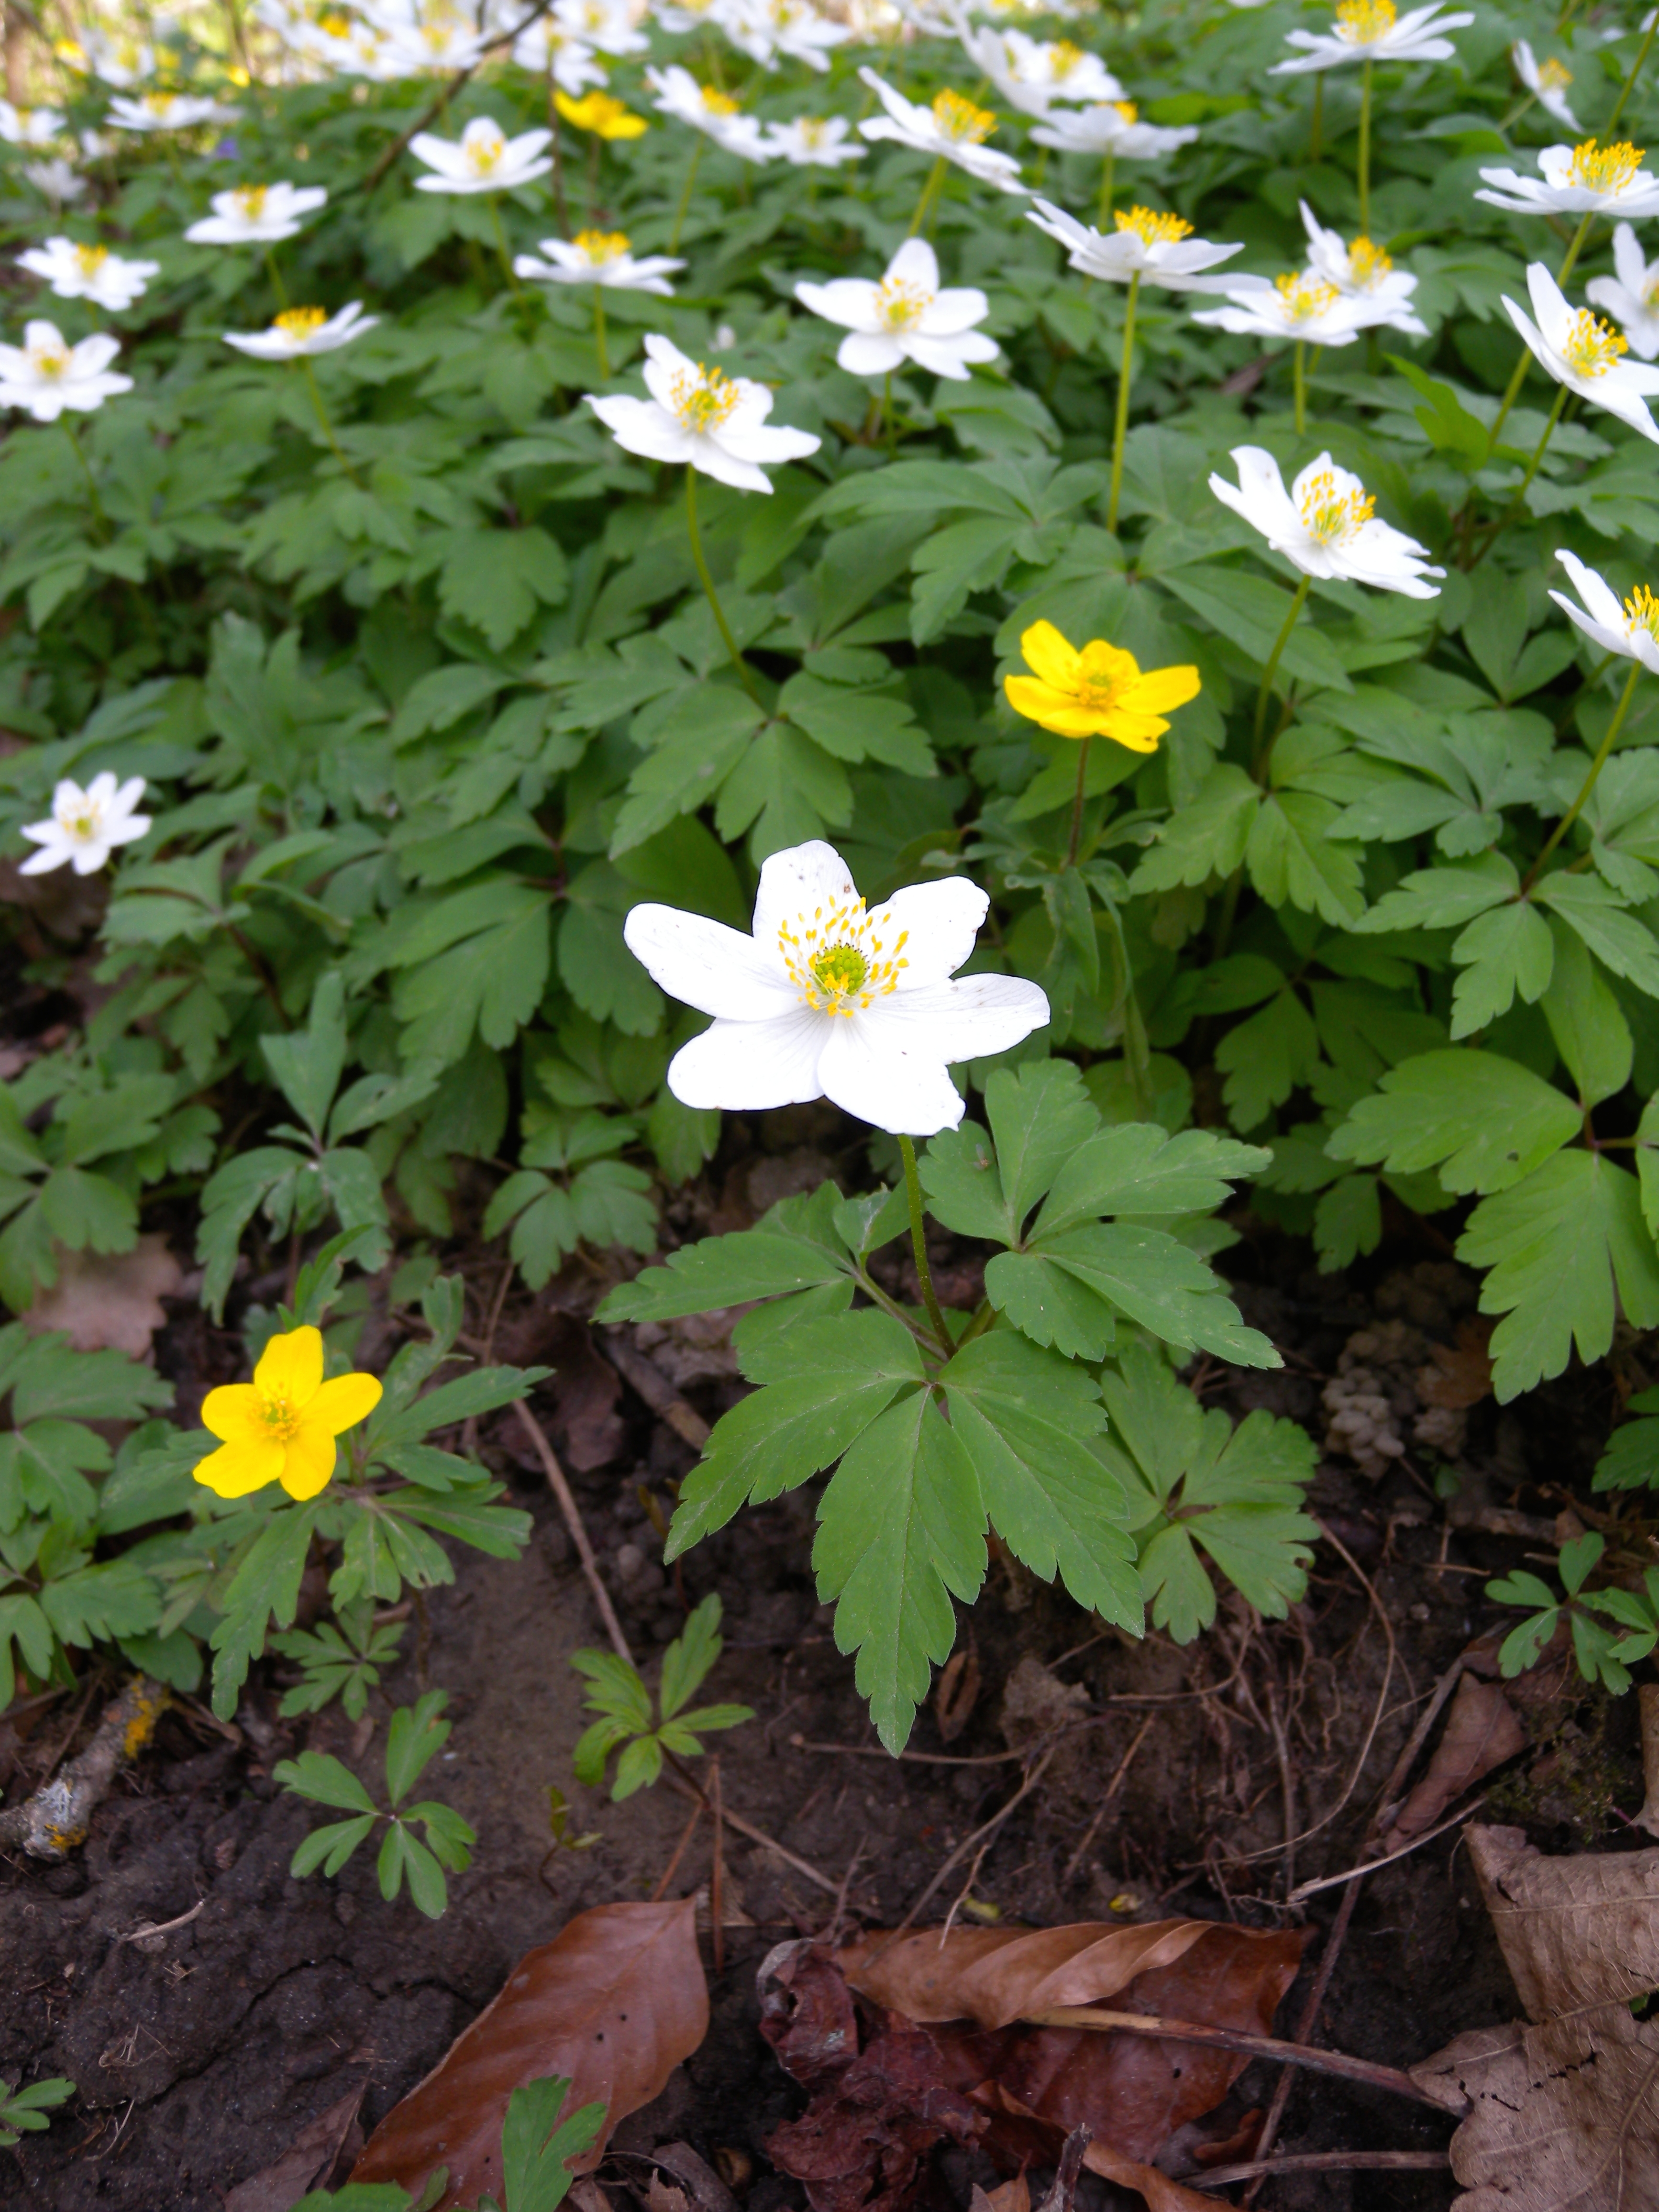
[
  {"x": 576, "y": 68},
  {"x": 714, "y": 423},
  {"x": 1631, "y": 297},
  {"x": 764, "y": 29},
  {"x": 166, "y": 111},
  {"x": 1372, "y": 31},
  {"x": 689, "y": 16},
  {"x": 1034, "y": 75},
  {"x": 1160, "y": 249},
  {"x": 606, "y": 24},
  {"x": 598, "y": 256},
  {"x": 814, "y": 142},
  {"x": 122, "y": 62},
  {"x": 45, "y": 374},
  {"x": 1546, "y": 82},
  {"x": 1587, "y": 179},
  {"x": 86, "y": 826},
  {"x": 905, "y": 318},
  {"x": 1301, "y": 310},
  {"x": 1583, "y": 354},
  {"x": 952, "y": 127},
  {"x": 1365, "y": 273},
  {"x": 483, "y": 159},
  {"x": 1632, "y": 631},
  {"x": 55, "y": 180},
  {"x": 298, "y": 332},
  {"x": 716, "y": 114},
  {"x": 1325, "y": 524},
  {"x": 89, "y": 272},
  {"x": 1114, "y": 128},
  {"x": 421, "y": 38},
  {"x": 826, "y": 999},
  {"x": 29, "y": 126},
  {"x": 257, "y": 215}
]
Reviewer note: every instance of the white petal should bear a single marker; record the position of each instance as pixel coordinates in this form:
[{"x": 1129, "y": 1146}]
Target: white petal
[
  {"x": 711, "y": 459},
  {"x": 914, "y": 263},
  {"x": 639, "y": 426},
  {"x": 848, "y": 301},
  {"x": 716, "y": 969},
  {"x": 869, "y": 353},
  {"x": 868, "y": 1070},
  {"x": 941, "y": 921},
  {"x": 801, "y": 879},
  {"x": 1600, "y": 600},
  {"x": 1609, "y": 641},
  {"x": 751, "y": 1066},
  {"x": 967, "y": 1019}
]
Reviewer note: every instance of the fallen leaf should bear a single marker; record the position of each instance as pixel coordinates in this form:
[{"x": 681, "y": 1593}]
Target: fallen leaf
[
  {"x": 958, "y": 1692},
  {"x": 613, "y": 2004},
  {"x": 659, "y": 2197},
  {"x": 586, "y": 1428},
  {"x": 1576, "y": 1931},
  {"x": 1461, "y": 1374},
  {"x": 1647, "y": 1699},
  {"x": 1482, "y": 1732},
  {"x": 110, "y": 1301},
  {"x": 698, "y": 2180},
  {"x": 308, "y": 2163},
  {"x": 1013, "y": 2196}
]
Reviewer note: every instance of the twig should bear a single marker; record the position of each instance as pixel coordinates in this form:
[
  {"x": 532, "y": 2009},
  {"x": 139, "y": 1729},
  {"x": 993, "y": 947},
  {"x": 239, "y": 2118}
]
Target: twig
[
  {"x": 1230, "y": 2039},
  {"x": 649, "y": 1381},
  {"x": 573, "y": 1521},
  {"x": 987, "y": 1828},
  {"x": 50, "y": 1824},
  {"x": 147, "y": 1928},
  {"x": 1101, "y": 1810},
  {"x": 454, "y": 85},
  {"x": 831, "y": 1934},
  {"x": 689, "y": 1784},
  {"x": 1322, "y": 2162},
  {"x": 1419, "y": 1736},
  {"x": 1304, "y": 2028},
  {"x": 717, "y": 1870},
  {"x": 1331, "y": 1881},
  {"x": 672, "y": 1868}
]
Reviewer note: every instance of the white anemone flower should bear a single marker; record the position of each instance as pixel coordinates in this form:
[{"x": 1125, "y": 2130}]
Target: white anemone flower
[
  {"x": 764, "y": 29},
  {"x": 905, "y": 318},
  {"x": 814, "y": 142},
  {"x": 55, "y": 180},
  {"x": 1363, "y": 273},
  {"x": 951, "y": 129},
  {"x": 607, "y": 25},
  {"x": 167, "y": 111},
  {"x": 257, "y": 215},
  {"x": 714, "y": 423},
  {"x": 298, "y": 332},
  {"x": 1035, "y": 75},
  {"x": 122, "y": 62},
  {"x": 689, "y": 16},
  {"x": 85, "y": 827},
  {"x": 483, "y": 159},
  {"x": 1298, "y": 310},
  {"x": 1587, "y": 179},
  {"x": 548, "y": 46},
  {"x": 45, "y": 374},
  {"x": 716, "y": 114},
  {"x": 1546, "y": 82},
  {"x": 89, "y": 272},
  {"x": 1583, "y": 354},
  {"x": 826, "y": 999},
  {"x": 1373, "y": 31},
  {"x": 1160, "y": 249},
  {"x": 1114, "y": 128},
  {"x": 598, "y": 257},
  {"x": 1630, "y": 297},
  {"x": 1325, "y": 524},
  {"x": 29, "y": 126},
  {"x": 1632, "y": 630}
]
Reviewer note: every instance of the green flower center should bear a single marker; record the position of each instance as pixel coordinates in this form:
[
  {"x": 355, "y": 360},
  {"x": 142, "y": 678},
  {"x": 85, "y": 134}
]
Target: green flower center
[
  {"x": 840, "y": 970},
  {"x": 280, "y": 1418}
]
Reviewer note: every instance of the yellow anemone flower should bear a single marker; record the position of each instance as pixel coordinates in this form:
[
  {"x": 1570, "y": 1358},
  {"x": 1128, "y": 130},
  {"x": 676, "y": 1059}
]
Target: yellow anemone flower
[
  {"x": 1097, "y": 693},
  {"x": 598, "y": 112},
  {"x": 280, "y": 1427}
]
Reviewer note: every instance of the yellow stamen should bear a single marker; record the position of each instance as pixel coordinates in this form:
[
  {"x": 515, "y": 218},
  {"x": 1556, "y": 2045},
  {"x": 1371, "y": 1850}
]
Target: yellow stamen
[
  {"x": 48, "y": 361},
  {"x": 718, "y": 103},
  {"x": 835, "y": 960},
  {"x": 812, "y": 130},
  {"x": 703, "y": 402},
  {"x": 1367, "y": 264},
  {"x": 900, "y": 305},
  {"x": 1642, "y": 611},
  {"x": 1063, "y": 59},
  {"x": 1126, "y": 109},
  {"x": 960, "y": 121},
  {"x": 1363, "y": 22},
  {"x": 300, "y": 322},
  {"x": 90, "y": 259},
  {"x": 1591, "y": 347},
  {"x": 1554, "y": 76},
  {"x": 1150, "y": 228},
  {"x": 159, "y": 103},
  {"x": 1332, "y": 516},
  {"x": 250, "y": 202},
  {"x": 599, "y": 247},
  {"x": 1303, "y": 299},
  {"x": 84, "y": 826},
  {"x": 1604, "y": 168},
  {"x": 484, "y": 152}
]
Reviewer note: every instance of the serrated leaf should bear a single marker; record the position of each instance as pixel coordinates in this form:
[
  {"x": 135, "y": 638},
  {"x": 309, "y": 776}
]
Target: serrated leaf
[
  {"x": 1484, "y": 1121},
  {"x": 1587, "y": 1021},
  {"x": 1507, "y": 950},
  {"x": 721, "y": 1271}
]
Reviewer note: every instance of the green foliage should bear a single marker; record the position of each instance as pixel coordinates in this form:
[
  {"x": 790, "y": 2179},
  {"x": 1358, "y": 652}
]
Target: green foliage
[
  {"x": 1602, "y": 1654},
  {"x": 415, "y": 1736},
  {"x": 26, "y": 2111},
  {"x": 537, "y": 2145},
  {"x": 627, "y": 1723}
]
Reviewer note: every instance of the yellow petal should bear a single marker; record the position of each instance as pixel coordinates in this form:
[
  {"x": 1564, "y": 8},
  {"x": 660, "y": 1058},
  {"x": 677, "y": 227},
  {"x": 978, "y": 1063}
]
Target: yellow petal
[
  {"x": 1140, "y": 732},
  {"x": 1037, "y": 701},
  {"x": 628, "y": 126},
  {"x": 1100, "y": 663},
  {"x": 235, "y": 1413},
  {"x": 308, "y": 1462},
  {"x": 236, "y": 1469},
  {"x": 1162, "y": 690},
  {"x": 291, "y": 1367},
  {"x": 1048, "y": 655},
  {"x": 344, "y": 1402}
]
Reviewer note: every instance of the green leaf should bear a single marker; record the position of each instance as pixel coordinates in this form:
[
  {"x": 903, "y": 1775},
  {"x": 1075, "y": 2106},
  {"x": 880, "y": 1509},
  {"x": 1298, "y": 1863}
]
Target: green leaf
[
  {"x": 1265, "y": 1057},
  {"x": 308, "y": 1063},
  {"x": 1207, "y": 837},
  {"x": 330, "y": 1846},
  {"x": 686, "y": 1662},
  {"x": 721, "y": 1271},
  {"x": 415, "y": 1736},
  {"x": 265, "y": 1587},
  {"x": 313, "y": 1774},
  {"x": 1292, "y": 854},
  {"x": 535, "y": 2151},
  {"x": 1484, "y": 1121},
  {"x": 1137, "y": 1168},
  {"x": 1507, "y": 950},
  {"x": 1587, "y": 1022},
  {"x": 1444, "y": 898},
  {"x": 496, "y": 579},
  {"x": 1595, "y": 911}
]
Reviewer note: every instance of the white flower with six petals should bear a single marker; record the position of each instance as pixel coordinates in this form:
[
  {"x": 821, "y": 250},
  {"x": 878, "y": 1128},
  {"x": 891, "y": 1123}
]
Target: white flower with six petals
[
  {"x": 905, "y": 318},
  {"x": 89, "y": 272},
  {"x": 257, "y": 215},
  {"x": 1160, "y": 249},
  {"x": 1632, "y": 631},
  {"x": 1587, "y": 179},
  {"x": 1325, "y": 524},
  {"x": 483, "y": 160},
  {"x": 1546, "y": 82},
  {"x": 598, "y": 256},
  {"x": 1632, "y": 296},
  {"x": 29, "y": 126},
  {"x": 1364, "y": 272},
  {"x": 1035, "y": 75},
  {"x": 1116, "y": 129},
  {"x": 1373, "y": 31},
  {"x": 952, "y": 129},
  {"x": 85, "y": 827},
  {"x": 716, "y": 114},
  {"x": 45, "y": 374},
  {"x": 1583, "y": 354},
  {"x": 714, "y": 423},
  {"x": 167, "y": 111},
  {"x": 298, "y": 332},
  {"x": 814, "y": 142},
  {"x": 1296, "y": 310}
]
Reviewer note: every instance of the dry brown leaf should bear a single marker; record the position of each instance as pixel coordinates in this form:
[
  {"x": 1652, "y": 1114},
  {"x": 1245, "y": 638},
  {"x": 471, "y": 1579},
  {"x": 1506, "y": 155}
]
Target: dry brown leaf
[
  {"x": 1647, "y": 1699},
  {"x": 957, "y": 1692},
  {"x": 110, "y": 1301},
  {"x": 1013, "y": 2196},
  {"x": 1461, "y": 1374},
  {"x": 308, "y": 2162},
  {"x": 1482, "y": 1732},
  {"x": 1161, "y": 2195},
  {"x": 996, "y": 1975},
  {"x": 1575, "y": 1932},
  {"x": 613, "y": 2004}
]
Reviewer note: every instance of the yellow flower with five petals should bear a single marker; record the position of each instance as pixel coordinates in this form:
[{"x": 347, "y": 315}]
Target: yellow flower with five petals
[
  {"x": 280, "y": 1427},
  {"x": 1099, "y": 692}
]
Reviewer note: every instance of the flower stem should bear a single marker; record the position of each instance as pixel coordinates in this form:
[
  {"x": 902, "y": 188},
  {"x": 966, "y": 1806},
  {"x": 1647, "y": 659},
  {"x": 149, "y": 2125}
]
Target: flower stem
[
  {"x": 935, "y": 178},
  {"x": 557, "y": 151},
  {"x": 500, "y": 242},
  {"x": 1258, "y": 766},
  {"x": 1589, "y": 784},
  {"x": 278, "y": 287},
  {"x": 600, "y": 346},
  {"x": 685, "y": 195},
  {"x": 1513, "y": 391},
  {"x": 1494, "y": 530},
  {"x": 100, "y": 521},
  {"x": 1316, "y": 120},
  {"x": 744, "y": 672},
  {"x": 887, "y": 414},
  {"x": 1365, "y": 149},
  {"x": 1120, "y": 427},
  {"x": 1107, "y": 178},
  {"x": 1612, "y": 123},
  {"x": 919, "y": 1247},
  {"x": 1299, "y": 375},
  {"x": 1076, "y": 804},
  {"x": 322, "y": 416}
]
